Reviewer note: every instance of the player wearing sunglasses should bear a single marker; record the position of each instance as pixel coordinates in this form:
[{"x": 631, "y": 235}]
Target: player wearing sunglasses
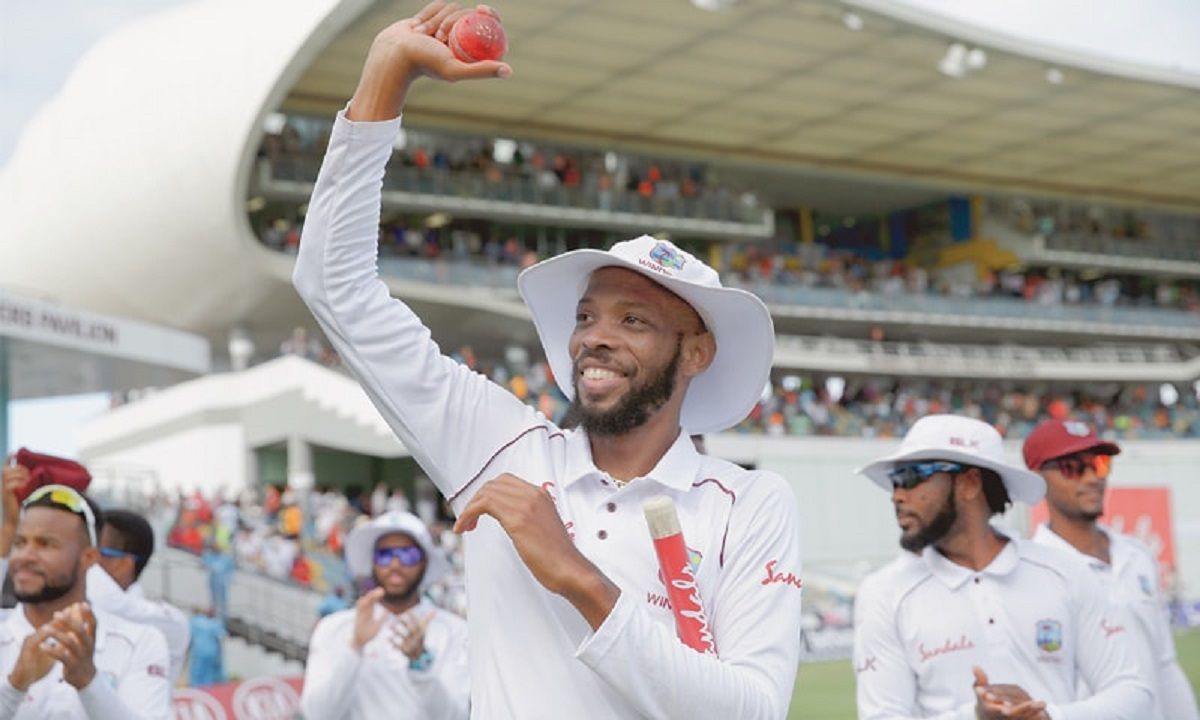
[
  {"x": 60, "y": 658},
  {"x": 1076, "y": 464},
  {"x": 393, "y": 654},
  {"x": 126, "y": 545},
  {"x": 970, "y": 622}
]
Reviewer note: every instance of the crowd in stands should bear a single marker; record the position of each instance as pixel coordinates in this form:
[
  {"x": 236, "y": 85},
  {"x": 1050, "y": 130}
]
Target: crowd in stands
[
  {"x": 278, "y": 537},
  {"x": 605, "y": 175},
  {"x": 817, "y": 265},
  {"x": 800, "y": 265},
  {"x": 886, "y": 408}
]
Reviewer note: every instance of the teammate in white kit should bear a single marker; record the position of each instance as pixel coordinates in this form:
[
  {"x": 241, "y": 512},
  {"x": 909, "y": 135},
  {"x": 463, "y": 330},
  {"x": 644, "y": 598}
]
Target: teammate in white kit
[
  {"x": 981, "y": 624},
  {"x": 59, "y": 658},
  {"x": 393, "y": 655},
  {"x": 1075, "y": 464},
  {"x": 126, "y": 545},
  {"x": 566, "y": 618}
]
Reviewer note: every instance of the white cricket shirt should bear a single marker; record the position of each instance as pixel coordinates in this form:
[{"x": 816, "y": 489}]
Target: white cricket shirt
[
  {"x": 1033, "y": 617},
  {"x": 132, "y": 605},
  {"x": 131, "y": 680},
  {"x": 341, "y": 684},
  {"x": 532, "y": 654},
  {"x": 1132, "y": 581}
]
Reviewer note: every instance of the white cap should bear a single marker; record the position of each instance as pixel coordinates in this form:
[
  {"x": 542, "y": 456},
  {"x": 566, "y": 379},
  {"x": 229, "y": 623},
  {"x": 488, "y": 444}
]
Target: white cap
[
  {"x": 718, "y": 398},
  {"x": 959, "y": 439},
  {"x": 360, "y": 545}
]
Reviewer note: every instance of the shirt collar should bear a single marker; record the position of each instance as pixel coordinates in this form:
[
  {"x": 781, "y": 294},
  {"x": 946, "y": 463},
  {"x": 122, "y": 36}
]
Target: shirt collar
[
  {"x": 953, "y": 575},
  {"x": 676, "y": 469},
  {"x": 1048, "y": 537}
]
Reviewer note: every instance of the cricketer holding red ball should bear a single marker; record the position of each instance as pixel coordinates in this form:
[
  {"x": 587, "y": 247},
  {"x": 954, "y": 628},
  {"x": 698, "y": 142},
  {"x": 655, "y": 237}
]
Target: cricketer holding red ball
[{"x": 566, "y": 618}]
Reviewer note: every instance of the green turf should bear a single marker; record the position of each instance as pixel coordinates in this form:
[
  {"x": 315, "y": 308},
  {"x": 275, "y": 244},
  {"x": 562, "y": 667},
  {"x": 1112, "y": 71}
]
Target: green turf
[{"x": 825, "y": 691}]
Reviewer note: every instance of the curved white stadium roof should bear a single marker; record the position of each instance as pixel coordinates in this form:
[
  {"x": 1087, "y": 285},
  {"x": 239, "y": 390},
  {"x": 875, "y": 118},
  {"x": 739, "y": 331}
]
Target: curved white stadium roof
[{"x": 127, "y": 193}]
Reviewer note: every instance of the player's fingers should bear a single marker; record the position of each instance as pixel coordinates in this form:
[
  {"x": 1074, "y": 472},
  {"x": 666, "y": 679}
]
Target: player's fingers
[
  {"x": 435, "y": 23},
  {"x": 489, "y": 10},
  {"x": 443, "y": 30},
  {"x": 426, "y": 620},
  {"x": 60, "y": 651},
  {"x": 980, "y": 676},
  {"x": 479, "y": 505},
  {"x": 365, "y": 605},
  {"x": 1025, "y": 711},
  {"x": 430, "y": 10},
  {"x": 456, "y": 70}
]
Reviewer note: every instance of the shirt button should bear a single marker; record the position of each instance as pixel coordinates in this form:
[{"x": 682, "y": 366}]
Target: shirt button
[
  {"x": 602, "y": 534},
  {"x": 612, "y": 507},
  {"x": 991, "y": 621},
  {"x": 976, "y": 581}
]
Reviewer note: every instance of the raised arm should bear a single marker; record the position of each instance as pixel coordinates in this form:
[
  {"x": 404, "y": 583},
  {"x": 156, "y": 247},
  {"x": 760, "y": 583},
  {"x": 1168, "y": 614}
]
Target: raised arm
[{"x": 450, "y": 418}]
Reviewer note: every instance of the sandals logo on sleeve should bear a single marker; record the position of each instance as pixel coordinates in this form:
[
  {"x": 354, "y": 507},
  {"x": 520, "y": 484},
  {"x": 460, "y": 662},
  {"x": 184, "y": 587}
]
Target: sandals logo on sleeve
[{"x": 1049, "y": 635}]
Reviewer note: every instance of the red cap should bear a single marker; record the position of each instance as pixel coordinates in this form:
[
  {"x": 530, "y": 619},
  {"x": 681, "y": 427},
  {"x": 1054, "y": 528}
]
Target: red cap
[
  {"x": 1057, "y": 438},
  {"x": 50, "y": 470}
]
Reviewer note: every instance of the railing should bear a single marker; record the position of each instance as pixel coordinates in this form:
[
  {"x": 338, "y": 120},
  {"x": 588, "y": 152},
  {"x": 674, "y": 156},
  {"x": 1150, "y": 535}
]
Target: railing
[
  {"x": 1079, "y": 228},
  {"x": 1108, "y": 245},
  {"x": 264, "y": 611},
  {"x": 1118, "y": 354},
  {"x": 984, "y": 307},
  {"x": 837, "y": 301},
  {"x": 719, "y": 213}
]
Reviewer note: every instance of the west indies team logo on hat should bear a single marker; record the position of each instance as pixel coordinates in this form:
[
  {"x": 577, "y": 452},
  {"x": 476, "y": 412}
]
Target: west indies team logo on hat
[
  {"x": 667, "y": 256},
  {"x": 1049, "y": 635}
]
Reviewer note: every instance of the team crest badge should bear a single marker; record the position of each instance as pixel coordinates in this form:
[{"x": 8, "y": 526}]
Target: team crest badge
[
  {"x": 1049, "y": 635},
  {"x": 667, "y": 256},
  {"x": 1147, "y": 588},
  {"x": 1077, "y": 429}
]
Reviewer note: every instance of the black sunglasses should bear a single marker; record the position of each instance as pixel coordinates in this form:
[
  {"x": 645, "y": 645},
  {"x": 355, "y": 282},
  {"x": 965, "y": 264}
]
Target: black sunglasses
[{"x": 910, "y": 475}]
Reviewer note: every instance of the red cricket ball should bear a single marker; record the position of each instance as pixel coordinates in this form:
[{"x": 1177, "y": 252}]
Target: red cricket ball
[{"x": 478, "y": 36}]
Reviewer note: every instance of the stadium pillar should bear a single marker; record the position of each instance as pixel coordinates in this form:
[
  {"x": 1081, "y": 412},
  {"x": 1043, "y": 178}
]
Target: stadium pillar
[
  {"x": 806, "y": 226},
  {"x": 960, "y": 219},
  {"x": 300, "y": 478},
  {"x": 4, "y": 387}
]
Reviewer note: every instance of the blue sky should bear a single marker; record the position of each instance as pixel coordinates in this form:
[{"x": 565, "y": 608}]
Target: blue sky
[{"x": 41, "y": 40}]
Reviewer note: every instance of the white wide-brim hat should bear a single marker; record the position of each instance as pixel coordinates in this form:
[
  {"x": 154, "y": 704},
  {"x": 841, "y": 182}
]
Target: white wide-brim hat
[
  {"x": 360, "y": 545},
  {"x": 959, "y": 439},
  {"x": 718, "y": 398}
]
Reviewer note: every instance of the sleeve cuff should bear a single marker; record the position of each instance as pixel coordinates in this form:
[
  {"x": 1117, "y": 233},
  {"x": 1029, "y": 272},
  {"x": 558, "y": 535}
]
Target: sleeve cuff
[
  {"x": 9, "y": 695},
  {"x": 382, "y": 130},
  {"x": 596, "y": 646},
  {"x": 1054, "y": 712},
  {"x": 95, "y": 695}
]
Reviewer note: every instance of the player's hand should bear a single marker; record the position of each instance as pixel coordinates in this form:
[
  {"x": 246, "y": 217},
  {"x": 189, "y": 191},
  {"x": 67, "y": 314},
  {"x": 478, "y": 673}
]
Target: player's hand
[
  {"x": 418, "y": 46},
  {"x": 71, "y": 639},
  {"x": 14, "y": 477},
  {"x": 408, "y": 634},
  {"x": 366, "y": 624},
  {"x": 1004, "y": 702},
  {"x": 527, "y": 514},
  {"x": 409, "y": 49},
  {"x": 33, "y": 663}
]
